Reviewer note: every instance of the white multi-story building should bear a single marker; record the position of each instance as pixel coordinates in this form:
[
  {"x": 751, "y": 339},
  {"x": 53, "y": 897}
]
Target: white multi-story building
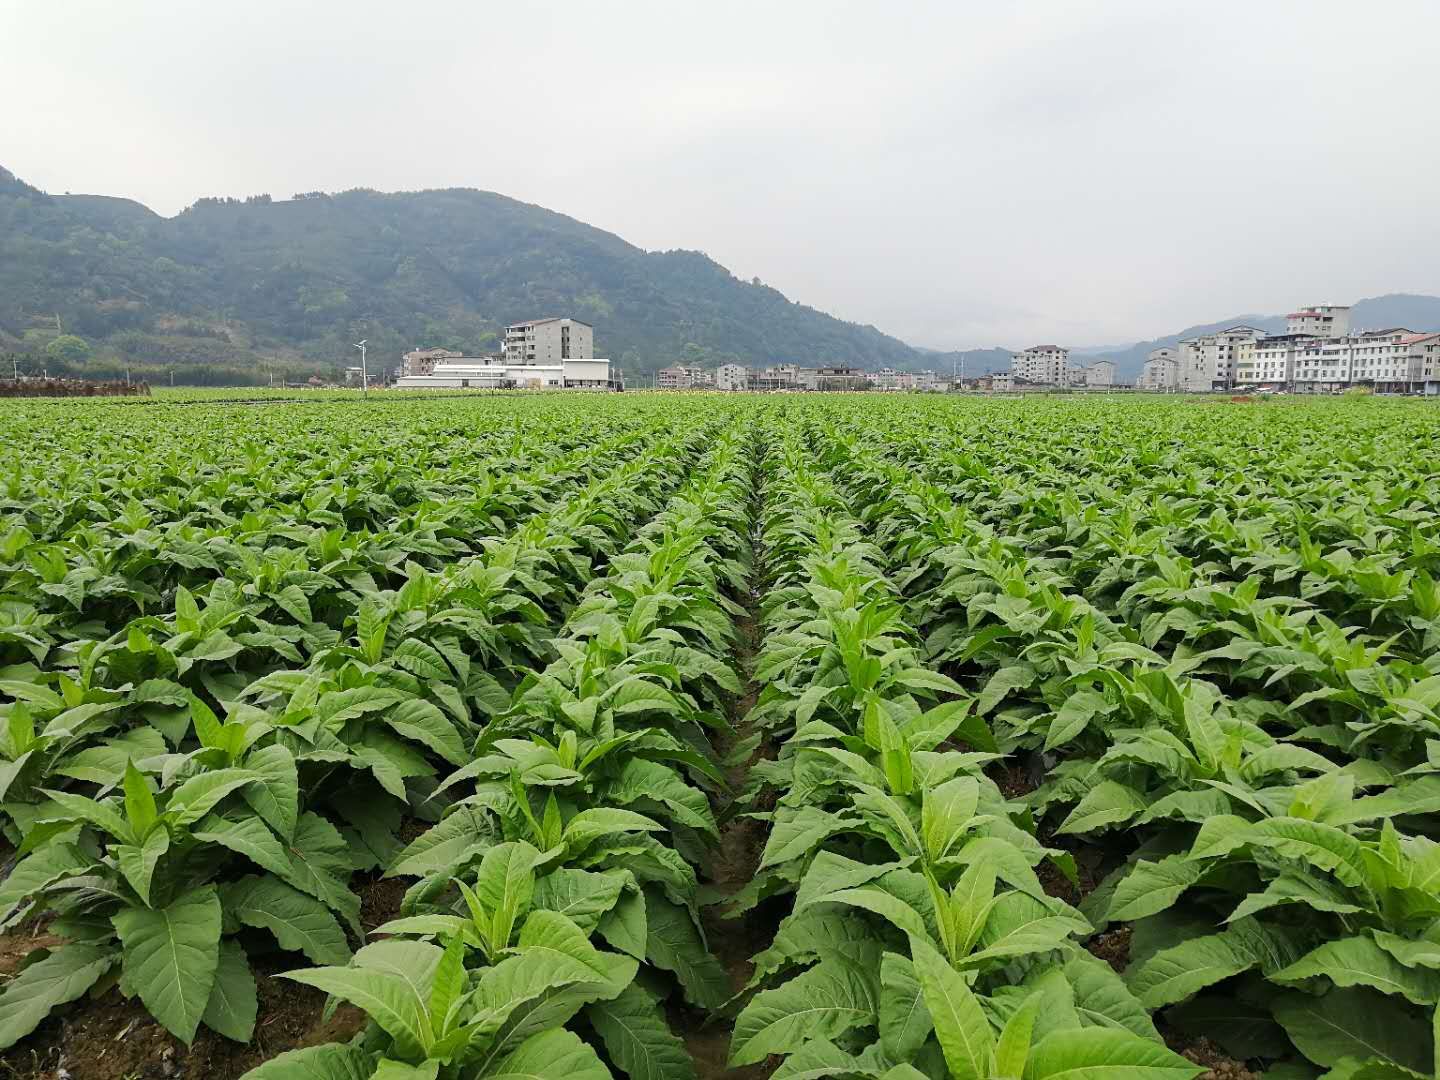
[
  {"x": 493, "y": 373},
  {"x": 732, "y": 377},
  {"x": 1208, "y": 362},
  {"x": 1427, "y": 347},
  {"x": 1269, "y": 362},
  {"x": 1100, "y": 373},
  {"x": 776, "y": 377},
  {"x": 549, "y": 341},
  {"x": 1387, "y": 360},
  {"x": 1046, "y": 364},
  {"x": 1390, "y": 361},
  {"x": 681, "y": 377},
  {"x": 1162, "y": 370},
  {"x": 1319, "y": 320}
]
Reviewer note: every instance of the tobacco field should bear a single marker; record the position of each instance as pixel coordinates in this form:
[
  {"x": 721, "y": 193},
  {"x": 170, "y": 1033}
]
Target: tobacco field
[{"x": 694, "y": 736}]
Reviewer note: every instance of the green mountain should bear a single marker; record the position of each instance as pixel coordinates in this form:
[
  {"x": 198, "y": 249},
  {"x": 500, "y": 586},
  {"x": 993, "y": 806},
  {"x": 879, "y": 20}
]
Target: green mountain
[{"x": 230, "y": 290}]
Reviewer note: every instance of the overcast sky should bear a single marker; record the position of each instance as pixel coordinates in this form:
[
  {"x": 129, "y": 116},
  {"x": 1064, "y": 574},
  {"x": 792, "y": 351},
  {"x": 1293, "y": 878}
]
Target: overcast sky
[{"x": 960, "y": 174}]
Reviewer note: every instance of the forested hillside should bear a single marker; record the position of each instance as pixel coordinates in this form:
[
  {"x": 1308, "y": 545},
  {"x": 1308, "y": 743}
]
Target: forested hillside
[{"x": 230, "y": 290}]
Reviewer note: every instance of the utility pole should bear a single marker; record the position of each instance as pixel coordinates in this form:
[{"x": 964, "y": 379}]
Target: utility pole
[
  {"x": 364, "y": 373},
  {"x": 172, "y": 378}
]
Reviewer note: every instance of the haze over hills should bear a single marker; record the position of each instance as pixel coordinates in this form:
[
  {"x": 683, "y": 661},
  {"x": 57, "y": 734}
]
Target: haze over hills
[
  {"x": 229, "y": 290},
  {"x": 227, "y": 285}
]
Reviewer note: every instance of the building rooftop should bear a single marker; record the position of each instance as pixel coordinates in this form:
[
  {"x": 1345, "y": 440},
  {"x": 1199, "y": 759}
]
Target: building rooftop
[{"x": 549, "y": 319}]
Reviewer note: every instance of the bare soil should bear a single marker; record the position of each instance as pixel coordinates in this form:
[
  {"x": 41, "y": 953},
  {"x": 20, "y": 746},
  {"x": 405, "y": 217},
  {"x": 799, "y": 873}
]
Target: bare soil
[
  {"x": 110, "y": 1038},
  {"x": 1218, "y": 1065},
  {"x": 1113, "y": 946}
]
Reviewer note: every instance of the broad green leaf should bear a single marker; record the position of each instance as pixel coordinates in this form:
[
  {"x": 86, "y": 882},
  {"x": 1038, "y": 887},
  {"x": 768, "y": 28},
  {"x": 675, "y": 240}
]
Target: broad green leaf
[
  {"x": 638, "y": 1039},
  {"x": 1074, "y": 717},
  {"x": 1013, "y": 1048},
  {"x": 333, "y": 1061},
  {"x": 882, "y": 903},
  {"x": 824, "y": 1002},
  {"x": 1359, "y": 961},
  {"x": 582, "y": 896},
  {"x": 1102, "y": 999},
  {"x": 247, "y": 835},
  {"x": 299, "y": 921},
  {"x": 391, "y": 998},
  {"x": 320, "y": 865},
  {"x": 275, "y": 792},
  {"x": 1175, "y": 973},
  {"x": 549, "y": 1055},
  {"x": 139, "y": 802},
  {"x": 62, "y": 976},
  {"x": 1098, "y": 1053},
  {"x": 1322, "y": 846},
  {"x": 904, "y": 1017},
  {"x": 591, "y": 825},
  {"x": 672, "y": 942},
  {"x": 100, "y": 814},
  {"x": 389, "y": 1069},
  {"x": 960, "y": 1023},
  {"x": 232, "y": 1005},
  {"x": 793, "y": 835},
  {"x": 170, "y": 957},
  {"x": 422, "y": 722},
  {"x": 1151, "y": 887},
  {"x": 626, "y": 926},
  {"x": 1355, "y": 1023},
  {"x": 1107, "y": 803},
  {"x": 138, "y": 863},
  {"x": 200, "y": 794},
  {"x": 945, "y": 815},
  {"x": 464, "y": 831}
]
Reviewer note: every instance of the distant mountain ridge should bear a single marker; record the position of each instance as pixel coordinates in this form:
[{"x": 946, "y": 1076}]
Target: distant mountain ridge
[
  {"x": 1413, "y": 311},
  {"x": 228, "y": 286}
]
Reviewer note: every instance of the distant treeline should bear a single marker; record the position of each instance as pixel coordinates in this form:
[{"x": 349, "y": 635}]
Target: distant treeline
[{"x": 192, "y": 373}]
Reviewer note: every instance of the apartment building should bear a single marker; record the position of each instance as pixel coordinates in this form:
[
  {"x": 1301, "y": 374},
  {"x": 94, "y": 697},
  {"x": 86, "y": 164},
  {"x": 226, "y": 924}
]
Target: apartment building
[
  {"x": 422, "y": 361},
  {"x": 1162, "y": 370},
  {"x": 1269, "y": 362},
  {"x": 1390, "y": 361},
  {"x": 1099, "y": 374},
  {"x": 1044, "y": 364},
  {"x": 1428, "y": 349},
  {"x": 732, "y": 377},
  {"x": 832, "y": 378},
  {"x": 681, "y": 377},
  {"x": 1208, "y": 362},
  {"x": 776, "y": 377},
  {"x": 549, "y": 341},
  {"x": 1321, "y": 320},
  {"x": 493, "y": 373}
]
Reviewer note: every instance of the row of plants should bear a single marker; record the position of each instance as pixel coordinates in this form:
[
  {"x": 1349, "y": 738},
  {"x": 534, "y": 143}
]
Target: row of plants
[
  {"x": 173, "y": 811},
  {"x": 556, "y": 896},
  {"x": 1275, "y": 872},
  {"x": 920, "y": 941}
]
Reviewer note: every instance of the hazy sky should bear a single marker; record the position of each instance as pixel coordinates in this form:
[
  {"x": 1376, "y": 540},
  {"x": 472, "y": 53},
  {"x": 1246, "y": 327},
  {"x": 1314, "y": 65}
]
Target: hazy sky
[{"x": 960, "y": 174}]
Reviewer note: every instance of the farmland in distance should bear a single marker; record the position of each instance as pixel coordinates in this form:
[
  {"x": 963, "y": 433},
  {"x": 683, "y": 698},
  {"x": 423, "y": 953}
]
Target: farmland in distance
[{"x": 703, "y": 735}]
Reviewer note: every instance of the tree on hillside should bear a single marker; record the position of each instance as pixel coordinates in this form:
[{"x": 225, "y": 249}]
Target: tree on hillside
[{"x": 68, "y": 347}]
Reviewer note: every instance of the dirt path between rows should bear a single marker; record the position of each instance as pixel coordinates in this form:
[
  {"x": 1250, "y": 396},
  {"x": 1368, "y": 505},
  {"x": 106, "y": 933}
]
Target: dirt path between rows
[{"x": 731, "y": 865}]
